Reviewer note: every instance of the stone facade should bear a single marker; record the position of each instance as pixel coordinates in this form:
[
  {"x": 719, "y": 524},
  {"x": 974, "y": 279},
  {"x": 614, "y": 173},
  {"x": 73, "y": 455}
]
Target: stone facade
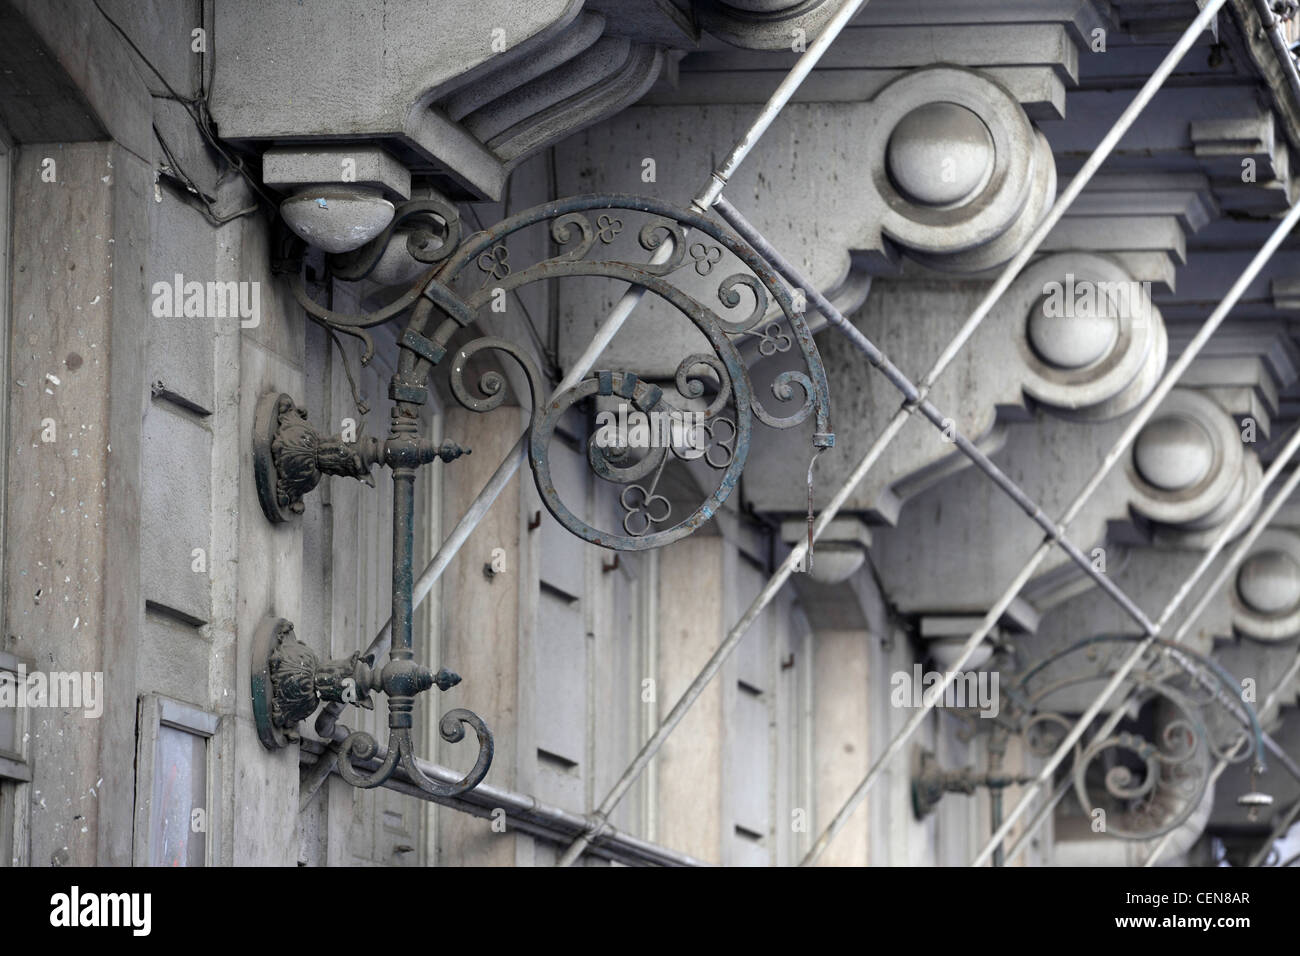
[{"x": 907, "y": 170}]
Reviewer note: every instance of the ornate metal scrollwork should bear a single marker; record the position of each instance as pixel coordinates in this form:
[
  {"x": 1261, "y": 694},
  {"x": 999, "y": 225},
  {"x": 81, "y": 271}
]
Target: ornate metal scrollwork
[
  {"x": 481, "y": 268},
  {"x": 707, "y": 408},
  {"x": 292, "y": 681},
  {"x": 1150, "y": 775},
  {"x": 712, "y": 389}
]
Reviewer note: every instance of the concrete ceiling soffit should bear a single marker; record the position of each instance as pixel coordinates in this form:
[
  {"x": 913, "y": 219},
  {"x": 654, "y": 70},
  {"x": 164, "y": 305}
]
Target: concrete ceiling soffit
[
  {"x": 1185, "y": 475},
  {"x": 1076, "y": 335},
  {"x": 462, "y": 89},
  {"x": 1250, "y": 627}
]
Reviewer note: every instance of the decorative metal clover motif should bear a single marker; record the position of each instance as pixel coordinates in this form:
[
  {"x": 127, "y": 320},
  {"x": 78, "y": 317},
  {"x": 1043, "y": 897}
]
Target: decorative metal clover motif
[{"x": 750, "y": 304}]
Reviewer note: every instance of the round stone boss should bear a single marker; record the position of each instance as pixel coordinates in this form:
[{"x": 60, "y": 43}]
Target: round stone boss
[
  {"x": 1186, "y": 460},
  {"x": 337, "y": 218},
  {"x": 1083, "y": 362},
  {"x": 931, "y": 115},
  {"x": 1173, "y": 452},
  {"x": 999, "y": 250},
  {"x": 940, "y": 154},
  {"x": 1265, "y": 592}
]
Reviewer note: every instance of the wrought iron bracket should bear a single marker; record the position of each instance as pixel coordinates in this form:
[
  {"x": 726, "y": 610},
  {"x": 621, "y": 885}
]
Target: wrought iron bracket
[
  {"x": 290, "y": 681},
  {"x": 290, "y": 457},
  {"x": 695, "y": 420},
  {"x": 930, "y": 781}
]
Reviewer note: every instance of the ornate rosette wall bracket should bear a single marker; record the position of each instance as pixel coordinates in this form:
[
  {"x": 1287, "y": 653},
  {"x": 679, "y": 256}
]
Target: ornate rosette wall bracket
[{"x": 290, "y": 681}]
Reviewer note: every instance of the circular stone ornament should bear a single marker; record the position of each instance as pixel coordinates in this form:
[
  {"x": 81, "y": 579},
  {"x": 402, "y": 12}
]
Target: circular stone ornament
[
  {"x": 1265, "y": 595},
  {"x": 1070, "y": 342},
  {"x": 940, "y": 154},
  {"x": 953, "y": 159},
  {"x": 1269, "y": 582},
  {"x": 1173, "y": 452},
  {"x": 1187, "y": 462},
  {"x": 1083, "y": 361},
  {"x": 337, "y": 218}
]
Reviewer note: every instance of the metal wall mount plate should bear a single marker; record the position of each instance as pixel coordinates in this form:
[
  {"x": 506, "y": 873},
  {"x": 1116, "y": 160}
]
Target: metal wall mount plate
[
  {"x": 264, "y": 642},
  {"x": 266, "y": 421}
]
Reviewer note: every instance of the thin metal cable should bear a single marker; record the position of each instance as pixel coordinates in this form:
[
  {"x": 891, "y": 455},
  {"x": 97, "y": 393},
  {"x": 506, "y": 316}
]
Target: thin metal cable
[
  {"x": 1081, "y": 726},
  {"x": 712, "y": 197},
  {"x": 1264, "y": 713},
  {"x": 1143, "y": 414}
]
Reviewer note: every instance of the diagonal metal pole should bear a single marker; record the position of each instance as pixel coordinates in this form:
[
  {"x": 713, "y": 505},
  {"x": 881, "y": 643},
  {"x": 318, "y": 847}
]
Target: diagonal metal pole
[
  {"x": 1265, "y": 712},
  {"x": 1099, "y": 702},
  {"x": 895, "y": 425},
  {"x": 1050, "y": 805},
  {"x": 1113, "y": 456},
  {"x": 927, "y": 408},
  {"x": 619, "y": 314}
]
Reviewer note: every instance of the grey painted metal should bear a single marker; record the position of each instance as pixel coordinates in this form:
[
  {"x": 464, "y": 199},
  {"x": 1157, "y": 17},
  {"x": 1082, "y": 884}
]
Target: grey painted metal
[
  {"x": 524, "y": 812},
  {"x": 779, "y": 98},
  {"x": 711, "y": 196},
  {"x": 914, "y": 400},
  {"x": 1103, "y": 696},
  {"x": 1140, "y": 418}
]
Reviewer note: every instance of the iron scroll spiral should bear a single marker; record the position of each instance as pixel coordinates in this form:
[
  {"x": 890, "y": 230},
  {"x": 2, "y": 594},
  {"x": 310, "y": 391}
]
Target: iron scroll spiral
[
  {"x": 1148, "y": 784},
  {"x": 752, "y": 305},
  {"x": 749, "y": 307}
]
